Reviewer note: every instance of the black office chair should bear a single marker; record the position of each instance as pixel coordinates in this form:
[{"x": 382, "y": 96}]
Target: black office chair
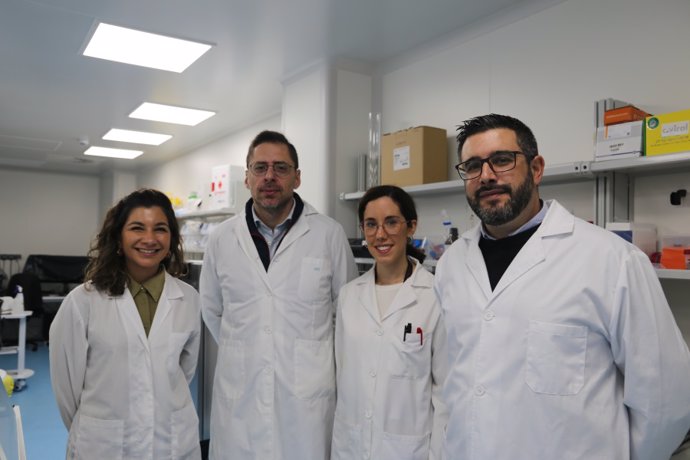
[{"x": 33, "y": 300}]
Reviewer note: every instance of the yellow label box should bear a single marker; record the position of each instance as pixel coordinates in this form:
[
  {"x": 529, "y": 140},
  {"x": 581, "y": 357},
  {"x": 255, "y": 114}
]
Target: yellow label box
[{"x": 667, "y": 133}]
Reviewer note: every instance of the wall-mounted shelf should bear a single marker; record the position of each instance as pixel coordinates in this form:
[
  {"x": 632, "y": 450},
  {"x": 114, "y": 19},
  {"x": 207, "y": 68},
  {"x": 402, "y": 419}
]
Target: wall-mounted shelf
[
  {"x": 559, "y": 173},
  {"x": 666, "y": 274},
  {"x": 223, "y": 212},
  {"x": 566, "y": 172},
  {"x": 575, "y": 172},
  {"x": 645, "y": 165},
  {"x": 436, "y": 188}
]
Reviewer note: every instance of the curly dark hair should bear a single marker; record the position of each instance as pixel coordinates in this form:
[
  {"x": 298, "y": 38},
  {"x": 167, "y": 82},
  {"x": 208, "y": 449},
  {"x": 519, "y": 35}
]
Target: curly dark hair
[
  {"x": 404, "y": 202},
  {"x": 106, "y": 269}
]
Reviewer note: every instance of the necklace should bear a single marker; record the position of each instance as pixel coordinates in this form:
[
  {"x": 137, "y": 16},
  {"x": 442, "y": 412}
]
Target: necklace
[{"x": 408, "y": 272}]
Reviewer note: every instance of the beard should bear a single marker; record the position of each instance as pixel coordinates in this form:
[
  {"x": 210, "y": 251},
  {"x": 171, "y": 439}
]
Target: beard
[{"x": 499, "y": 215}]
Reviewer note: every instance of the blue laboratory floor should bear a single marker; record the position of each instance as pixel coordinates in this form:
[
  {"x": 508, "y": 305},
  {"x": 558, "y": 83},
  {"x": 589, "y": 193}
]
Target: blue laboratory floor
[{"x": 45, "y": 436}]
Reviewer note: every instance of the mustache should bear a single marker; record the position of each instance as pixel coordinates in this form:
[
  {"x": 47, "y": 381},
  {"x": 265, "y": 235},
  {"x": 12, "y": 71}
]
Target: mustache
[{"x": 493, "y": 188}]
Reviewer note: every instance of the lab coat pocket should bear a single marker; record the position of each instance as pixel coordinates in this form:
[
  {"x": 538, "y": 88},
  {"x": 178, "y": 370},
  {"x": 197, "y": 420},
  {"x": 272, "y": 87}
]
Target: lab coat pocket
[
  {"x": 347, "y": 440},
  {"x": 314, "y": 279},
  {"x": 184, "y": 432},
  {"x": 555, "y": 361},
  {"x": 314, "y": 368},
  {"x": 403, "y": 447},
  {"x": 409, "y": 359},
  {"x": 232, "y": 382},
  {"x": 98, "y": 439}
]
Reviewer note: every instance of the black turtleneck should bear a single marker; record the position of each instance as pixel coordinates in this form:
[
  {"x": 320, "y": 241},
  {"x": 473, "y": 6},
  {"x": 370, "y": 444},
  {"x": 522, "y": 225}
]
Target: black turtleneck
[{"x": 498, "y": 254}]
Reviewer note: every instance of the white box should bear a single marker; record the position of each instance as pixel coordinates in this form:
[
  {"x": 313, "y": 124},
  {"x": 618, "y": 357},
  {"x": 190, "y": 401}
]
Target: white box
[
  {"x": 619, "y": 141},
  {"x": 641, "y": 235},
  {"x": 227, "y": 188}
]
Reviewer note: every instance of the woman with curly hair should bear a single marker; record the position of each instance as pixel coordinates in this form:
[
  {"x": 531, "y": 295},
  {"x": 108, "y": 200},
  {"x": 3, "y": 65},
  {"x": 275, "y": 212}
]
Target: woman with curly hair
[{"x": 124, "y": 345}]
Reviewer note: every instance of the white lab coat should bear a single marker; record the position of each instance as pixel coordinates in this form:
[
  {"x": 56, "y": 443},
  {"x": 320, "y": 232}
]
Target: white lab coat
[
  {"x": 389, "y": 390},
  {"x": 121, "y": 394},
  {"x": 574, "y": 355},
  {"x": 274, "y": 386}
]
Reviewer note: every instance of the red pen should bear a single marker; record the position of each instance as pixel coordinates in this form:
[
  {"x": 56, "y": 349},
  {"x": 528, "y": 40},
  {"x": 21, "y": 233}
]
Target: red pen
[{"x": 421, "y": 336}]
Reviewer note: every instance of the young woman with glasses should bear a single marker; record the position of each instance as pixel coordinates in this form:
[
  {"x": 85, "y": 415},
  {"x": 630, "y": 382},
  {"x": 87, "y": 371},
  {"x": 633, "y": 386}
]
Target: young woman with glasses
[{"x": 390, "y": 343}]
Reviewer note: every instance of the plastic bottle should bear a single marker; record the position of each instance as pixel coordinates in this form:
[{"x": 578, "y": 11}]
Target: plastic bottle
[
  {"x": 450, "y": 231},
  {"x": 453, "y": 235},
  {"x": 18, "y": 306}
]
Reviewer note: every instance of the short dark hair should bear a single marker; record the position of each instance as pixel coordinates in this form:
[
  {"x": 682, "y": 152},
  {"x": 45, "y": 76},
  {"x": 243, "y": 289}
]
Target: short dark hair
[
  {"x": 272, "y": 137},
  {"x": 404, "y": 202},
  {"x": 107, "y": 269},
  {"x": 477, "y": 125}
]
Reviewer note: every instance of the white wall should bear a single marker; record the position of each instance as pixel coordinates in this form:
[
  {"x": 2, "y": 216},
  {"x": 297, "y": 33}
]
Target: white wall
[
  {"x": 47, "y": 213},
  {"x": 351, "y": 138},
  {"x": 548, "y": 69},
  {"x": 114, "y": 185},
  {"x": 192, "y": 172},
  {"x": 307, "y": 124}
]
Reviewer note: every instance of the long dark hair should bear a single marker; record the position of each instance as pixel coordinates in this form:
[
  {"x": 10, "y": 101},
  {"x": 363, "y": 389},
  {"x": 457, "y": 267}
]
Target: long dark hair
[
  {"x": 106, "y": 269},
  {"x": 404, "y": 202}
]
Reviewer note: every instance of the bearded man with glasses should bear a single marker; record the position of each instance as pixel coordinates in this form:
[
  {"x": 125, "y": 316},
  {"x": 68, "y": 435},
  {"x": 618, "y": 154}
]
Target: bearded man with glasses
[
  {"x": 561, "y": 342},
  {"x": 269, "y": 285}
]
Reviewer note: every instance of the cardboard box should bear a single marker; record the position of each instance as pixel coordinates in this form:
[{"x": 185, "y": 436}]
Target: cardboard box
[
  {"x": 624, "y": 115},
  {"x": 667, "y": 133},
  {"x": 619, "y": 141},
  {"x": 414, "y": 156}
]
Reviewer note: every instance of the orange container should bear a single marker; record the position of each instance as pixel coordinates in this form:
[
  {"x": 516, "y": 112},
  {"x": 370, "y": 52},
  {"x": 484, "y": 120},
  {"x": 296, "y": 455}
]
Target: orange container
[
  {"x": 675, "y": 257},
  {"x": 624, "y": 115}
]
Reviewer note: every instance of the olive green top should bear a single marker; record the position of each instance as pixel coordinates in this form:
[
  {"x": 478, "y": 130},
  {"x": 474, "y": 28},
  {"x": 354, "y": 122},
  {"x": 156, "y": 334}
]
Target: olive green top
[{"x": 146, "y": 297}]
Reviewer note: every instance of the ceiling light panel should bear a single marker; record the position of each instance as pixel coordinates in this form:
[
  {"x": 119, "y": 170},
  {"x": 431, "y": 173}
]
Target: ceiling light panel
[
  {"x": 170, "y": 114},
  {"x": 136, "y": 137},
  {"x": 143, "y": 48},
  {"x": 112, "y": 153}
]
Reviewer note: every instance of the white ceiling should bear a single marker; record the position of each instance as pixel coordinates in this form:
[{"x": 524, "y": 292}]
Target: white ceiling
[{"x": 51, "y": 95}]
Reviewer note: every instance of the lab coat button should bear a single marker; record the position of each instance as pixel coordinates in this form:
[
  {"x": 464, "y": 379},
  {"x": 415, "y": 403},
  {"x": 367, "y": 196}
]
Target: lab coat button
[
  {"x": 489, "y": 315},
  {"x": 372, "y": 373},
  {"x": 379, "y": 332},
  {"x": 479, "y": 390},
  {"x": 367, "y": 414},
  {"x": 268, "y": 330}
]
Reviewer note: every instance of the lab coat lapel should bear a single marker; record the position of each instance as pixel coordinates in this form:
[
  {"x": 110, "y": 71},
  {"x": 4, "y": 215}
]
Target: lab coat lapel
[
  {"x": 130, "y": 315},
  {"x": 475, "y": 261},
  {"x": 169, "y": 299},
  {"x": 406, "y": 296},
  {"x": 556, "y": 222},
  {"x": 298, "y": 229},
  {"x": 247, "y": 244},
  {"x": 366, "y": 295}
]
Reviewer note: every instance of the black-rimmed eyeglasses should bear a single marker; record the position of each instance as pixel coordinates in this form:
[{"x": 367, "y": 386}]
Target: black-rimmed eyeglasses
[
  {"x": 499, "y": 161},
  {"x": 280, "y": 168}
]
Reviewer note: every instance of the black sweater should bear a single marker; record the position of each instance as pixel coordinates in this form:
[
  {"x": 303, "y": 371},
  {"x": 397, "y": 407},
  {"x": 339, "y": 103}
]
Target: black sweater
[{"x": 498, "y": 254}]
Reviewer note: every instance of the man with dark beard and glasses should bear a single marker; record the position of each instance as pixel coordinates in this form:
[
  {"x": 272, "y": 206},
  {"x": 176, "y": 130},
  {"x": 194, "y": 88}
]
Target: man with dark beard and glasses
[{"x": 561, "y": 342}]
